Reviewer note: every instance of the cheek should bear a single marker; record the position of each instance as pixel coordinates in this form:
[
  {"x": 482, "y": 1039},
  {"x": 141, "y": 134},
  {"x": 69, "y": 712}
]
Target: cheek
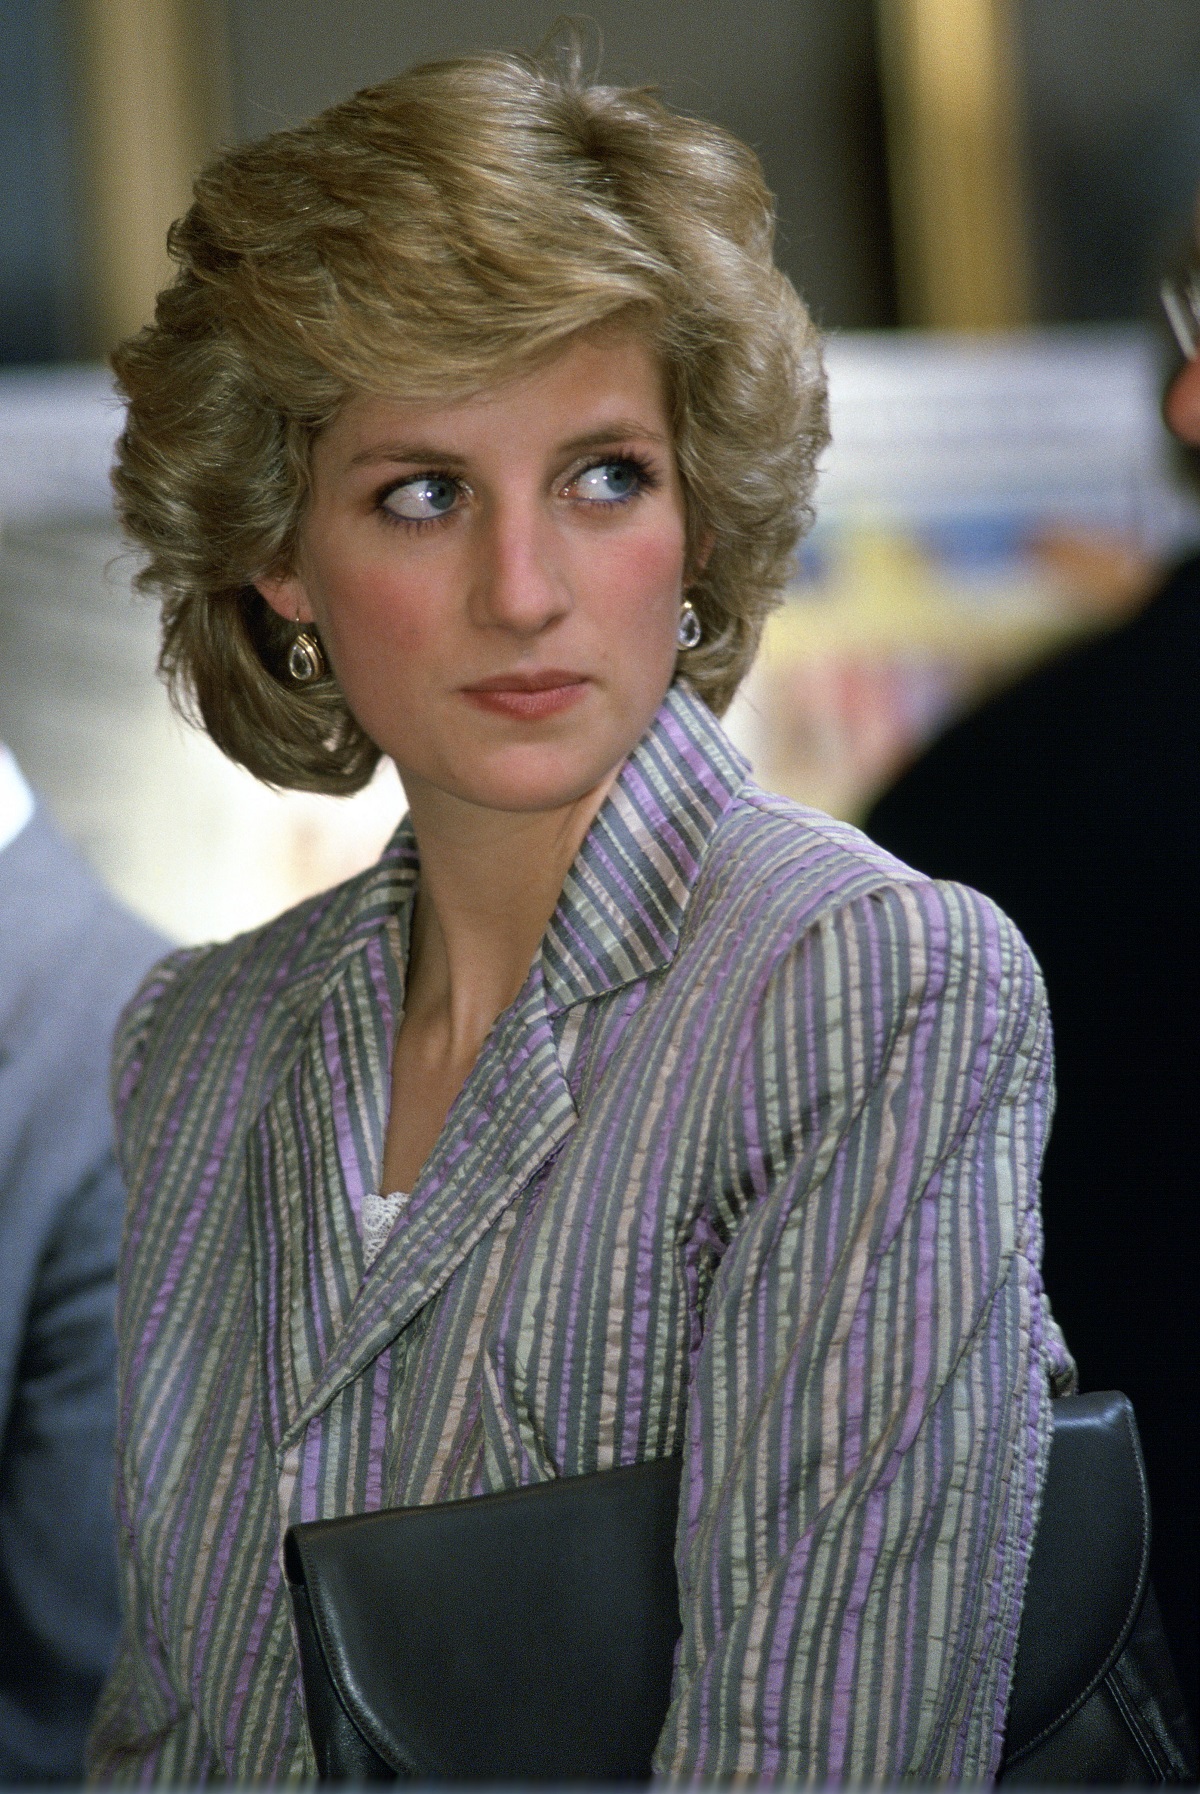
[
  {"x": 375, "y": 621},
  {"x": 644, "y": 580}
]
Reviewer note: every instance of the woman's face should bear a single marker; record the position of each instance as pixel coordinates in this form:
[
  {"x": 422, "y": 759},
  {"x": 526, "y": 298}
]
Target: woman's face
[{"x": 497, "y": 581}]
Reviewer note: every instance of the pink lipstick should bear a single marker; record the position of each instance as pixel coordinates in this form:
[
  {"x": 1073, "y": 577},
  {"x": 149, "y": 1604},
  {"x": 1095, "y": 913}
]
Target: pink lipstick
[{"x": 528, "y": 697}]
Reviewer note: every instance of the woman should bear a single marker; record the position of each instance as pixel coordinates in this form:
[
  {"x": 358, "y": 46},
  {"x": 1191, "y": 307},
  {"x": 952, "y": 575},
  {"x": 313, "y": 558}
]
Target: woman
[{"x": 621, "y": 1108}]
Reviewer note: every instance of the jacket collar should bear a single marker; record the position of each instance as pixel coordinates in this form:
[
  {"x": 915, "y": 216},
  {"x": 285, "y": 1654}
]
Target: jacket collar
[
  {"x": 339, "y": 925},
  {"x": 624, "y": 899},
  {"x": 623, "y": 902}
]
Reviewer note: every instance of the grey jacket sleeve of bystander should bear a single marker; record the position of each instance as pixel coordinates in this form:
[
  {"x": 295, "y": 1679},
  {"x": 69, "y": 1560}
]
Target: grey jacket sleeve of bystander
[
  {"x": 58, "y": 1579},
  {"x": 70, "y": 957}
]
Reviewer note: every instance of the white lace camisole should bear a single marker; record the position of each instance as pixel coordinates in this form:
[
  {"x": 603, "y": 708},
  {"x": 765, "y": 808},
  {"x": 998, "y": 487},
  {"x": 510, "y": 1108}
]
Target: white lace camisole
[{"x": 379, "y": 1216}]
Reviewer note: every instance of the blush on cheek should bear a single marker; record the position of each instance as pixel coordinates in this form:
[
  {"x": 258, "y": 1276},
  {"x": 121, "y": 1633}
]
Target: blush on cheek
[
  {"x": 648, "y": 569},
  {"x": 368, "y": 622}
]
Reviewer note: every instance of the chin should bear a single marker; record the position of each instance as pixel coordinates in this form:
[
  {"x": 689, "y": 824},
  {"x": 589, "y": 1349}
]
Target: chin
[
  {"x": 531, "y": 781},
  {"x": 531, "y": 796}
]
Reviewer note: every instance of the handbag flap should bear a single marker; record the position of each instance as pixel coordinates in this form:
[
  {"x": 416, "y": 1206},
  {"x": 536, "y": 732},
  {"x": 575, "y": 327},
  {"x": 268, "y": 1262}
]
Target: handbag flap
[
  {"x": 1087, "y": 1574},
  {"x": 526, "y": 1635}
]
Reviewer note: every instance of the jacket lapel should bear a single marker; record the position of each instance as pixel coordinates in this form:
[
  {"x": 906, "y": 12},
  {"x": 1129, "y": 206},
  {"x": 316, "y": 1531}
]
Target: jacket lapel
[
  {"x": 317, "y": 1143},
  {"x": 510, "y": 1118}
]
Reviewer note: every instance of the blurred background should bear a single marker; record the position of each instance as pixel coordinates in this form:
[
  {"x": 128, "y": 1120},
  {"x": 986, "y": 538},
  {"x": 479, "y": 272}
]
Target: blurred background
[{"x": 975, "y": 196}]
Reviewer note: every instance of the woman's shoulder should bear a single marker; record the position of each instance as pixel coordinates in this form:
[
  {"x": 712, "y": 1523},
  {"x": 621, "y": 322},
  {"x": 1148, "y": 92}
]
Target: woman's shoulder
[
  {"x": 794, "y": 861},
  {"x": 246, "y": 994},
  {"x": 785, "y": 870},
  {"x": 832, "y": 946}
]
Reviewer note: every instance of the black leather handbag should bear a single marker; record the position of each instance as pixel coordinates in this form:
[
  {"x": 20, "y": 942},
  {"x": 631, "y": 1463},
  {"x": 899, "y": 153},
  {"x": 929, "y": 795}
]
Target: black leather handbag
[
  {"x": 1095, "y": 1697},
  {"x": 526, "y": 1636},
  {"x": 530, "y": 1635}
]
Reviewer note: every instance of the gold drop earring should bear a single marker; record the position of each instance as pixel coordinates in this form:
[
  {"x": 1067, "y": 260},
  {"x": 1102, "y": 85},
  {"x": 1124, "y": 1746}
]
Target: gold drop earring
[{"x": 306, "y": 657}]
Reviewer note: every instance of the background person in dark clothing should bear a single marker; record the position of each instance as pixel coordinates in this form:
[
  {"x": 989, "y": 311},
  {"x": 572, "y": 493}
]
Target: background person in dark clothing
[{"x": 1073, "y": 799}]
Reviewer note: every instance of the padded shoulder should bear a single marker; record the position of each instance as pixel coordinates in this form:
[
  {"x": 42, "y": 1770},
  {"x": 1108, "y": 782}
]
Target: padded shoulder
[
  {"x": 798, "y": 861},
  {"x": 254, "y": 989}
]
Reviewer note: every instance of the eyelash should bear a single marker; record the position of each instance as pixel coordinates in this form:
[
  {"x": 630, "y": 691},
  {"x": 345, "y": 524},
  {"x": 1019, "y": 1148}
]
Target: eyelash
[
  {"x": 647, "y": 481},
  {"x": 413, "y": 523},
  {"x": 647, "y": 477}
]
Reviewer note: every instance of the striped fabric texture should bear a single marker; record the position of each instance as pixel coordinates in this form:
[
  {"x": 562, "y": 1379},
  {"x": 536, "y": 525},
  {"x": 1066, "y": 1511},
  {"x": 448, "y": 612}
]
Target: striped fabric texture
[{"x": 747, "y": 1170}]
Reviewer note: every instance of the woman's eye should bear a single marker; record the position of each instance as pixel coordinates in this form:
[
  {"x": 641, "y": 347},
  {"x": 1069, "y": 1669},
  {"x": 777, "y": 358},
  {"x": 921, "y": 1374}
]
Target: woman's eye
[
  {"x": 420, "y": 500},
  {"x": 608, "y": 482}
]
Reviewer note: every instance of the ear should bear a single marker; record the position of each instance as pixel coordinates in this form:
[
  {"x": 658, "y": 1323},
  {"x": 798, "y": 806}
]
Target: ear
[
  {"x": 285, "y": 593},
  {"x": 699, "y": 561}
]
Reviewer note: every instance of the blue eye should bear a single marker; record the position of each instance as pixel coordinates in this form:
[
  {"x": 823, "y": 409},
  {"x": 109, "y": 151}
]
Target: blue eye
[
  {"x": 609, "y": 482},
  {"x": 420, "y": 500}
]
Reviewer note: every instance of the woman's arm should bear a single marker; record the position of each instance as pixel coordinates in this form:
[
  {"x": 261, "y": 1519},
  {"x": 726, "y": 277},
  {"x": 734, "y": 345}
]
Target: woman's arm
[
  {"x": 868, "y": 1419},
  {"x": 142, "y": 1731}
]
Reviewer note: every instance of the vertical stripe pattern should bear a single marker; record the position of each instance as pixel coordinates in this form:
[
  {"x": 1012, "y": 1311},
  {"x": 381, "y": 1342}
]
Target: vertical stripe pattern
[{"x": 748, "y": 1170}]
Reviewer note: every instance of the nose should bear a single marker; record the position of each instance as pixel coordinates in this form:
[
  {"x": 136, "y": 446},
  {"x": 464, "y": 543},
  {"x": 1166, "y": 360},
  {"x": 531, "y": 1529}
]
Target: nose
[{"x": 520, "y": 581}]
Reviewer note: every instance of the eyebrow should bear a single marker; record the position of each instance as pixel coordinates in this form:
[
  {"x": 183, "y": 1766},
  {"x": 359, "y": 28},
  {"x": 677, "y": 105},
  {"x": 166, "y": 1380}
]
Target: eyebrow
[{"x": 428, "y": 454}]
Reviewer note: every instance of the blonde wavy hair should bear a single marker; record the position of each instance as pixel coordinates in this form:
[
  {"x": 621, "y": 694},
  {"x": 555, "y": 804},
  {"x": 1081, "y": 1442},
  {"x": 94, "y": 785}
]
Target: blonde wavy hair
[{"x": 423, "y": 240}]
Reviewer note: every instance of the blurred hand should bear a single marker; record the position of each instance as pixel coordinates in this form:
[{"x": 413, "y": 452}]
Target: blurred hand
[{"x": 1181, "y": 407}]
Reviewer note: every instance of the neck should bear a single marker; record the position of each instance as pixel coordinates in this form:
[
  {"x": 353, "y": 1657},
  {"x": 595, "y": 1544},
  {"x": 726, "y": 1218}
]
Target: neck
[{"x": 490, "y": 882}]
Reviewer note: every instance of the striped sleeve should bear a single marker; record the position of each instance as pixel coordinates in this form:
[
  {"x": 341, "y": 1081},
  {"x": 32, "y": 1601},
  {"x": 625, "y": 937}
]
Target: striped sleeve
[
  {"x": 868, "y": 1421},
  {"x": 135, "y": 1028},
  {"x": 144, "y": 1731}
]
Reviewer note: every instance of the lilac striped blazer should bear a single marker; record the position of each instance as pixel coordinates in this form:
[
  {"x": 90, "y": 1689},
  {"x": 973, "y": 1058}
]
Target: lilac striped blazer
[{"x": 747, "y": 1170}]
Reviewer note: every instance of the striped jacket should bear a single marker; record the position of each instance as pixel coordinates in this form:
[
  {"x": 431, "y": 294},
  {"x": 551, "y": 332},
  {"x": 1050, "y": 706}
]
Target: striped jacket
[{"x": 748, "y": 1169}]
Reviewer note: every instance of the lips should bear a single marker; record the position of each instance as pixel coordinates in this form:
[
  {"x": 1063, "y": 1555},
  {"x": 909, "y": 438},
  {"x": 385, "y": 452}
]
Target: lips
[
  {"x": 540, "y": 679},
  {"x": 528, "y": 697}
]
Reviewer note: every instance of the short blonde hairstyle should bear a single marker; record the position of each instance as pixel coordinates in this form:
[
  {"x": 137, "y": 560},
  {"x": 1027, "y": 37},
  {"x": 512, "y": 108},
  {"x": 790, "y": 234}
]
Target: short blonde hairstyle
[{"x": 423, "y": 240}]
